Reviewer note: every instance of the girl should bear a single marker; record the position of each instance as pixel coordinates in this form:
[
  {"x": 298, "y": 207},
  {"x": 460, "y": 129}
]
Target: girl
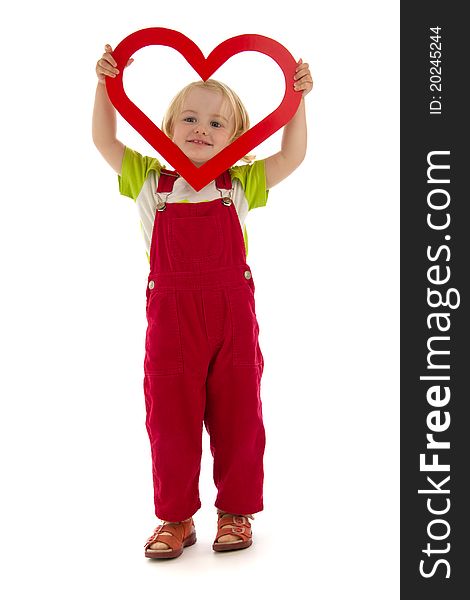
[{"x": 203, "y": 363}]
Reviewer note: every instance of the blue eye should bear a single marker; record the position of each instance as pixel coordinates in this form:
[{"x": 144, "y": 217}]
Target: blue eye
[
  {"x": 217, "y": 124},
  {"x": 188, "y": 119}
]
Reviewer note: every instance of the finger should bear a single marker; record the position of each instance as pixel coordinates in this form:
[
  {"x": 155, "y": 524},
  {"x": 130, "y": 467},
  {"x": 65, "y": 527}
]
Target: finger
[
  {"x": 303, "y": 85},
  {"x": 106, "y": 69},
  {"x": 300, "y": 74},
  {"x": 303, "y": 67},
  {"x": 107, "y": 73},
  {"x": 109, "y": 59},
  {"x": 306, "y": 78},
  {"x": 108, "y": 56},
  {"x": 303, "y": 73},
  {"x": 303, "y": 82}
]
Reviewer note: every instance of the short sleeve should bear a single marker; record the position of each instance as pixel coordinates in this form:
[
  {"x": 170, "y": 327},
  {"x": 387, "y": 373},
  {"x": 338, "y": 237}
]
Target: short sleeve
[
  {"x": 253, "y": 180},
  {"x": 134, "y": 171}
]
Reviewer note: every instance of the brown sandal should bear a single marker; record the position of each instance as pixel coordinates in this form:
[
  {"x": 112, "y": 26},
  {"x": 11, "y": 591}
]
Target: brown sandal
[
  {"x": 241, "y": 527},
  {"x": 183, "y": 534}
]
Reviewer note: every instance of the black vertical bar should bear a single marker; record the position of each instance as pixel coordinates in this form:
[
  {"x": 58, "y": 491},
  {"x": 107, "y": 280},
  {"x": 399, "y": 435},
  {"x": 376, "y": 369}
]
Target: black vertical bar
[{"x": 435, "y": 258}]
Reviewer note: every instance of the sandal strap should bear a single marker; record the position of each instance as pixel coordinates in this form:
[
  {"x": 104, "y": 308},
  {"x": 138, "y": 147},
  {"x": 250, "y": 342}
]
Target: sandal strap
[
  {"x": 221, "y": 514},
  {"x": 174, "y": 540},
  {"x": 239, "y": 526},
  {"x": 237, "y": 520},
  {"x": 242, "y": 532}
]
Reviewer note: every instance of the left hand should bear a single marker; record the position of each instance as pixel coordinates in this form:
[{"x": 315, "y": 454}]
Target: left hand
[{"x": 303, "y": 78}]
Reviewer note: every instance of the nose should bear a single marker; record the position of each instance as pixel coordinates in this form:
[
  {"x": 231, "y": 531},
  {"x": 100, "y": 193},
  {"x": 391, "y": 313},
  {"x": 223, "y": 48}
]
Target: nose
[{"x": 200, "y": 129}]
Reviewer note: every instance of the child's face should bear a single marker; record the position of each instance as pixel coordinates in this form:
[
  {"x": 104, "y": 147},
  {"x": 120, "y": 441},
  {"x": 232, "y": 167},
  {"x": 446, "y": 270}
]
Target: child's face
[{"x": 204, "y": 126}]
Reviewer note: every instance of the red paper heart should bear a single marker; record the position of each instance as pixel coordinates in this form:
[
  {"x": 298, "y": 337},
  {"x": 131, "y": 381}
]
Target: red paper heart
[{"x": 198, "y": 177}]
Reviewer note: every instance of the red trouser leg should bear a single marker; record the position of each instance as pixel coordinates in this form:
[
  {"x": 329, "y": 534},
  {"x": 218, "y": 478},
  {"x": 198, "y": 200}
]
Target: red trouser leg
[
  {"x": 233, "y": 415},
  {"x": 175, "y": 407},
  {"x": 204, "y": 364},
  {"x": 175, "y": 396},
  {"x": 234, "y": 422}
]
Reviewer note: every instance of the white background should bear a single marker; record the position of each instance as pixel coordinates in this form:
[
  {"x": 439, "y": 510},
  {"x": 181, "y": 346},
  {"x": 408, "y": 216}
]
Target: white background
[{"x": 77, "y": 500}]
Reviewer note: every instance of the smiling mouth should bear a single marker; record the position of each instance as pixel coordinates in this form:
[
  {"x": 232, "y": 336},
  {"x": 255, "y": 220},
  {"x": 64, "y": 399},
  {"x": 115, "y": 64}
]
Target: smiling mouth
[{"x": 199, "y": 142}]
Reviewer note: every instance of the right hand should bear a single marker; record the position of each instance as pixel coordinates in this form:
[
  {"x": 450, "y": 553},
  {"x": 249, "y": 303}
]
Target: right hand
[{"x": 106, "y": 66}]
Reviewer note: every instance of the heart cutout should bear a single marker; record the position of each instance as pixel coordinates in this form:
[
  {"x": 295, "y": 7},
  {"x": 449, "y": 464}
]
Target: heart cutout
[{"x": 198, "y": 177}]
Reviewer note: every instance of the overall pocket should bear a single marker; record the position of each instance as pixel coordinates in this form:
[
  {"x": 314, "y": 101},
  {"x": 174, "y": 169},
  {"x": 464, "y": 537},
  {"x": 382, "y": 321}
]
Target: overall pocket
[
  {"x": 245, "y": 329},
  {"x": 195, "y": 239},
  {"x": 163, "y": 351}
]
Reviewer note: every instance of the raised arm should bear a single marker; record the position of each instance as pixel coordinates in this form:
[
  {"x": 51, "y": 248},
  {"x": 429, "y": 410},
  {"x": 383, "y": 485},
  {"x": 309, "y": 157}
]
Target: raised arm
[
  {"x": 294, "y": 137},
  {"x": 104, "y": 114}
]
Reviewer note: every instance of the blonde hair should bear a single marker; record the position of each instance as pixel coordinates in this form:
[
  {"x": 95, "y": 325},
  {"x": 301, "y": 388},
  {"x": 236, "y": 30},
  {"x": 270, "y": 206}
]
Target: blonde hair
[{"x": 239, "y": 112}]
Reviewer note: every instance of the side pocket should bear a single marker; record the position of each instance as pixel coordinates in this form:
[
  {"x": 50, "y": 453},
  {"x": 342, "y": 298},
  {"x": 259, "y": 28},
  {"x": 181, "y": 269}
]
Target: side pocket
[
  {"x": 150, "y": 293},
  {"x": 147, "y": 295},
  {"x": 245, "y": 329},
  {"x": 163, "y": 351}
]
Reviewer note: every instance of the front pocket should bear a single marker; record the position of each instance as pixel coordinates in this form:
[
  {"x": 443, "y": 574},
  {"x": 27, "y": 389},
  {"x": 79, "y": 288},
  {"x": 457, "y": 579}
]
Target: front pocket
[
  {"x": 245, "y": 329},
  {"x": 163, "y": 351},
  {"x": 195, "y": 238}
]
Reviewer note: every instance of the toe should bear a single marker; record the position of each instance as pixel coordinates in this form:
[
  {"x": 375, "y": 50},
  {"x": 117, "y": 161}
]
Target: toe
[
  {"x": 228, "y": 538},
  {"x": 160, "y": 545}
]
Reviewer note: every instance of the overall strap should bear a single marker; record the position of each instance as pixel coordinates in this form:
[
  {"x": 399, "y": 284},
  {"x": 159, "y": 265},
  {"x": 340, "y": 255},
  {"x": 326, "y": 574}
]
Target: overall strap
[
  {"x": 167, "y": 179},
  {"x": 224, "y": 181}
]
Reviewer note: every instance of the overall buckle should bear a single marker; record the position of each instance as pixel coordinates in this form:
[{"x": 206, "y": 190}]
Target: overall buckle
[{"x": 224, "y": 181}]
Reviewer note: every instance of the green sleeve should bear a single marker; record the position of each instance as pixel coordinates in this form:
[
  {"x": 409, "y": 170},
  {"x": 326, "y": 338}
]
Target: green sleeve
[
  {"x": 253, "y": 180},
  {"x": 134, "y": 171}
]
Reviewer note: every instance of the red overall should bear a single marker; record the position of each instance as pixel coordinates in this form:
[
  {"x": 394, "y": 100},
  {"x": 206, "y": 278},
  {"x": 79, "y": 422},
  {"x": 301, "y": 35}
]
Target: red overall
[{"x": 203, "y": 363}]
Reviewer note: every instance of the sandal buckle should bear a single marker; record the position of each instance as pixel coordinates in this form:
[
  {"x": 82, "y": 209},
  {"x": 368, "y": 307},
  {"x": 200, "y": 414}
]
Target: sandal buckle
[
  {"x": 239, "y": 520},
  {"x": 154, "y": 535},
  {"x": 238, "y": 529}
]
